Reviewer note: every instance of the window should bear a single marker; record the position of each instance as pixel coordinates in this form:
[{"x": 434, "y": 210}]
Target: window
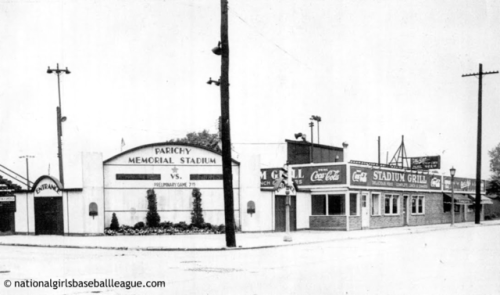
[
  {"x": 391, "y": 204},
  {"x": 353, "y": 204},
  {"x": 417, "y": 204},
  {"x": 336, "y": 204},
  {"x": 375, "y": 204},
  {"x": 318, "y": 205},
  {"x": 446, "y": 203}
]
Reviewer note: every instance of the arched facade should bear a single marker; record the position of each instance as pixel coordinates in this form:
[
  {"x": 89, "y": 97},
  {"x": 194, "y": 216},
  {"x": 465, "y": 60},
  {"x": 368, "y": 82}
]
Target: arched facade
[{"x": 173, "y": 170}]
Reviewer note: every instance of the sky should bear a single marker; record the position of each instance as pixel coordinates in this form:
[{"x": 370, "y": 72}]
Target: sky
[{"x": 139, "y": 71}]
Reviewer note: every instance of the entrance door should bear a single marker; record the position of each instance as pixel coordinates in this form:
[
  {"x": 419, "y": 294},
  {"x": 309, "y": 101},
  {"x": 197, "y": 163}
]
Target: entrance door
[
  {"x": 6, "y": 222},
  {"x": 406, "y": 211},
  {"x": 49, "y": 216},
  {"x": 365, "y": 211},
  {"x": 280, "y": 213}
]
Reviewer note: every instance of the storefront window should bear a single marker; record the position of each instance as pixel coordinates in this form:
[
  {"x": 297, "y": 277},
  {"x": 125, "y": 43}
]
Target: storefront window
[
  {"x": 375, "y": 204},
  {"x": 336, "y": 204},
  {"x": 417, "y": 204},
  {"x": 318, "y": 205},
  {"x": 353, "y": 204},
  {"x": 391, "y": 204}
]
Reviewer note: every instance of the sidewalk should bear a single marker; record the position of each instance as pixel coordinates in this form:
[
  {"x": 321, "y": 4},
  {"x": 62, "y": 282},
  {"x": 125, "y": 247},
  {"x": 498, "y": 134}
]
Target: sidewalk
[{"x": 217, "y": 242}]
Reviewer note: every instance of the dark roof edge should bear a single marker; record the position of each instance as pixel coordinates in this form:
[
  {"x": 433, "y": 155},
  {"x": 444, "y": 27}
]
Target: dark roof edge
[{"x": 299, "y": 142}]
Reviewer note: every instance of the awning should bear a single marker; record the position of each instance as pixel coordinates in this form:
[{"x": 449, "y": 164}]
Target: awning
[
  {"x": 460, "y": 199},
  {"x": 484, "y": 200}
]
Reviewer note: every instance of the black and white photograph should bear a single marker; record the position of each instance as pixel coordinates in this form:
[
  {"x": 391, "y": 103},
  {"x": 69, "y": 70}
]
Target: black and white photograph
[{"x": 249, "y": 147}]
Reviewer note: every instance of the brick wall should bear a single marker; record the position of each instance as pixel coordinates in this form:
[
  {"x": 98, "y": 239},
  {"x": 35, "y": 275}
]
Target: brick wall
[
  {"x": 327, "y": 222},
  {"x": 354, "y": 222}
]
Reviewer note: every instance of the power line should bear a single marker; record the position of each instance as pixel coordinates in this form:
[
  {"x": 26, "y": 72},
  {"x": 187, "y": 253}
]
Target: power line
[{"x": 267, "y": 39}]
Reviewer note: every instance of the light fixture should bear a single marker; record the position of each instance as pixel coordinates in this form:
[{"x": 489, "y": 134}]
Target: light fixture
[
  {"x": 63, "y": 119},
  {"x": 300, "y": 135},
  {"x": 210, "y": 81},
  {"x": 217, "y": 50},
  {"x": 345, "y": 144},
  {"x": 452, "y": 171},
  {"x": 316, "y": 118}
]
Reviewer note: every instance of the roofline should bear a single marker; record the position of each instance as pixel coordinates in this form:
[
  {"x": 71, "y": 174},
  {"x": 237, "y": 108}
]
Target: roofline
[
  {"x": 165, "y": 143},
  {"x": 330, "y": 147}
]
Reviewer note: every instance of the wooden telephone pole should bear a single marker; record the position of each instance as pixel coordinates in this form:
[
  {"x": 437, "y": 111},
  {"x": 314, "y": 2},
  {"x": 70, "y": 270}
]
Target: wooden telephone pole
[
  {"x": 479, "y": 131},
  {"x": 227, "y": 171}
]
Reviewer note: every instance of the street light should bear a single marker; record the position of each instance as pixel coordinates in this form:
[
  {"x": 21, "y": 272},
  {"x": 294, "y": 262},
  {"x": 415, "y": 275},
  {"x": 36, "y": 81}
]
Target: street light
[
  {"x": 317, "y": 119},
  {"x": 301, "y": 136},
  {"x": 288, "y": 202},
  {"x": 27, "y": 170},
  {"x": 452, "y": 173},
  {"x": 311, "y": 152},
  {"x": 60, "y": 119}
]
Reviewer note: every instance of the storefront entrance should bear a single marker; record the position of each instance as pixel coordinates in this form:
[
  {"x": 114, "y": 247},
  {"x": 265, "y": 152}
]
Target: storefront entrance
[
  {"x": 280, "y": 213},
  {"x": 365, "y": 211},
  {"x": 49, "y": 216},
  {"x": 7, "y": 211}
]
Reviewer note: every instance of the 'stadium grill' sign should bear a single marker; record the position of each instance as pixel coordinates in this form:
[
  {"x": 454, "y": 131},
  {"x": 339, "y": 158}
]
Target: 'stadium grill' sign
[{"x": 363, "y": 176}]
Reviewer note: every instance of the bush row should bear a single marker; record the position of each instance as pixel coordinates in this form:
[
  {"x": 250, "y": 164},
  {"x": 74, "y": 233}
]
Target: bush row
[{"x": 166, "y": 228}]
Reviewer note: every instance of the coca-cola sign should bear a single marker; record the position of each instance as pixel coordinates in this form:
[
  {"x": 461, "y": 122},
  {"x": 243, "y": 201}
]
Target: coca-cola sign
[{"x": 320, "y": 175}]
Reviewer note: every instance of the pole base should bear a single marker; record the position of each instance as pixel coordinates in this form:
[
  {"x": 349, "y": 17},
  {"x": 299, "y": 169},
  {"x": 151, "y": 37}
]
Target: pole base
[{"x": 287, "y": 238}]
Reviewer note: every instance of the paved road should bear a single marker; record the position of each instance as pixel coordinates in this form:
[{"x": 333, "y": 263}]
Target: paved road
[{"x": 460, "y": 261}]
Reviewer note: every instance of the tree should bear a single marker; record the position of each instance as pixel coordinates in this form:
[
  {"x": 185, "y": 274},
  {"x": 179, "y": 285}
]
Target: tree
[
  {"x": 204, "y": 138},
  {"x": 114, "y": 222},
  {"x": 197, "y": 214},
  {"x": 152, "y": 218},
  {"x": 493, "y": 186}
]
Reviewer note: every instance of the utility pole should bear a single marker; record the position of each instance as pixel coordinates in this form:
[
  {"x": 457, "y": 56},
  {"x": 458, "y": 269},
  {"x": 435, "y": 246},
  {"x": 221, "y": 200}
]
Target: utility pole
[
  {"x": 479, "y": 132},
  {"x": 379, "y": 150},
  {"x": 227, "y": 174},
  {"x": 27, "y": 170},
  {"x": 60, "y": 119}
]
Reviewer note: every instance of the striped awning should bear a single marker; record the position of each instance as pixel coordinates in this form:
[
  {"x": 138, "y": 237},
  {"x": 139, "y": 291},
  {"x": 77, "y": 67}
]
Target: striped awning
[
  {"x": 460, "y": 199},
  {"x": 484, "y": 200}
]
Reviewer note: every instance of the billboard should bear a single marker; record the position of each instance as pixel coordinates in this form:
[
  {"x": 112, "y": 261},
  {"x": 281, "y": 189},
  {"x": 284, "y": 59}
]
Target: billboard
[
  {"x": 425, "y": 163},
  {"x": 364, "y": 176}
]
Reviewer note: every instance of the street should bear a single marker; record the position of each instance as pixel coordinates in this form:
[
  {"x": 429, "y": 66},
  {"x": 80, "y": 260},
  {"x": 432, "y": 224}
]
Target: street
[{"x": 458, "y": 261}]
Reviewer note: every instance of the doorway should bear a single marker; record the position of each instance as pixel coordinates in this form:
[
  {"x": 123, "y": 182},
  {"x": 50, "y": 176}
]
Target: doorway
[
  {"x": 365, "y": 211},
  {"x": 406, "y": 211},
  {"x": 280, "y": 213},
  {"x": 49, "y": 216}
]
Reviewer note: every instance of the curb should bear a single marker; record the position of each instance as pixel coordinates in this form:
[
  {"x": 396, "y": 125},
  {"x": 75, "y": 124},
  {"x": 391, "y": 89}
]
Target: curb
[{"x": 378, "y": 235}]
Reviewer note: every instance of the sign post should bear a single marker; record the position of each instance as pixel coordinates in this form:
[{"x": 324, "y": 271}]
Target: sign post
[{"x": 288, "y": 202}]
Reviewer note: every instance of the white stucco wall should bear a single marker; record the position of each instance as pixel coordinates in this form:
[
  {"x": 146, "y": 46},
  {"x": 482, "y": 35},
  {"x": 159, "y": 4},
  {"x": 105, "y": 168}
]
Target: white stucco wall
[{"x": 173, "y": 169}]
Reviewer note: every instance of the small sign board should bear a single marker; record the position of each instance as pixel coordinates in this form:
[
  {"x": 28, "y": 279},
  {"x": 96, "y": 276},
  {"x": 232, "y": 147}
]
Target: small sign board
[
  {"x": 8, "y": 204},
  {"x": 425, "y": 163}
]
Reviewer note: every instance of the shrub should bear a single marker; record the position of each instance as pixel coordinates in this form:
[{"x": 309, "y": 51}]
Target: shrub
[
  {"x": 197, "y": 214},
  {"x": 222, "y": 228},
  {"x": 152, "y": 218},
  {"x": 114, "y": 223},
  {"x": 166, "y": 224},
  {"x": 181, "y": 225},
  {"x": 139, "y": 225},
  {"x": 206, "y": 226}
]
